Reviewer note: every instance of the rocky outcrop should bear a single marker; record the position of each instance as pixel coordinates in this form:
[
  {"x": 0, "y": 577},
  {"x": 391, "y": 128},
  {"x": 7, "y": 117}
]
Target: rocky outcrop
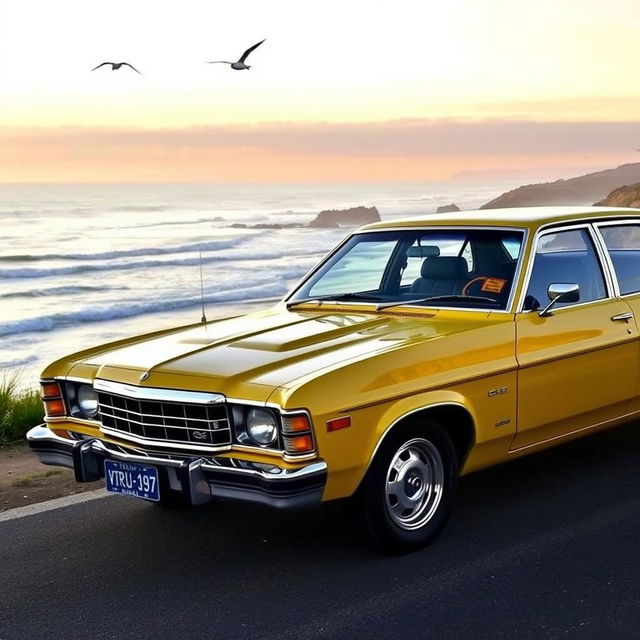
[
  {"x": 626, "y": 196},
  {"x": 353, "y": 217},
  {"x": 448, "y": 208},
  {"x": 582, "y": 190}
]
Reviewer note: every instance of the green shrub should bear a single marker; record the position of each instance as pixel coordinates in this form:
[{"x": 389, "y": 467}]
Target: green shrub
[{"x": 19, "y": 410}]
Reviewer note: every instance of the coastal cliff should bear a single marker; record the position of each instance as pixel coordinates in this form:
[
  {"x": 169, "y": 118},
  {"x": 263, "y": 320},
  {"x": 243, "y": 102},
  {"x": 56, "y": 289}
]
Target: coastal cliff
[
  {"x": 573, "y": 191},
  {"x": 626, "y": 196}
]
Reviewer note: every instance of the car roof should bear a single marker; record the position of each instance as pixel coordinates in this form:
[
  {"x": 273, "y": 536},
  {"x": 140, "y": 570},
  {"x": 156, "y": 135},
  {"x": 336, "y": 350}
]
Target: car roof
[{"x": 526, "y": 217}]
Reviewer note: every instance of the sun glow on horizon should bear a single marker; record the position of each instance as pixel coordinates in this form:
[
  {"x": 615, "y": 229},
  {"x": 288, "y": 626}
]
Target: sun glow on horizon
[{"x": 356, "y": 62}]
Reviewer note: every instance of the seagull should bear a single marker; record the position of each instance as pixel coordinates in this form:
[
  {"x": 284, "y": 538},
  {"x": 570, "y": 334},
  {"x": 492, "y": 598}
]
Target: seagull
[
  {"x": 239, "y": 65},
  {"x": 116, "y": 65}
]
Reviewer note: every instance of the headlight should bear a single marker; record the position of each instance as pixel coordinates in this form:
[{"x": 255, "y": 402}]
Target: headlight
[
  {"x": 87, "y": 401},
  {"x": 262, "y": 426}
]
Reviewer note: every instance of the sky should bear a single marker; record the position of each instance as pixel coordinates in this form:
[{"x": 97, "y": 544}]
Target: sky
[{"x": 340, "y": 91}]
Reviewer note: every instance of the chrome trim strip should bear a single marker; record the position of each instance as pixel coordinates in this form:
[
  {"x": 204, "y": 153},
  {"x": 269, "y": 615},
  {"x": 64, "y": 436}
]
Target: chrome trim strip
[
  {"x": 162, "y": 395},
  {"x": 189, "y": 446},
  {"x": 73, "y": 420},
  {"x": 74, "y": 379},
  {"x": 615, "y": 223},
  {"x": 605, "y": 263},
  {"x": 621, "y": 418}
]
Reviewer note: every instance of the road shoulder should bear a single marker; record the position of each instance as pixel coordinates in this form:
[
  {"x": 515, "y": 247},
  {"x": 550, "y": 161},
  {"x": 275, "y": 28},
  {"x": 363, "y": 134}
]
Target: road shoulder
[{"x": 24, "y": 480}]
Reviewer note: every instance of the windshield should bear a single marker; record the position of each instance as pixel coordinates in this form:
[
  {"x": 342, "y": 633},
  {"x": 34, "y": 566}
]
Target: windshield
[{"x": 472, "y": 268}]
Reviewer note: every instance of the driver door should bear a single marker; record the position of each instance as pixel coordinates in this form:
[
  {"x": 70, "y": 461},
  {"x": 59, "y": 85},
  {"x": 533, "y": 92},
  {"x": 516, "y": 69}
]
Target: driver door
[{"x": 578, "y": 367}]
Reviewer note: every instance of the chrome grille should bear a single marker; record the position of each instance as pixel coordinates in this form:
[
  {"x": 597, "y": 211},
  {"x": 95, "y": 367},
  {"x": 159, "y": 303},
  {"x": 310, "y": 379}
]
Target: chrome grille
[{"x": 203, "y": 425}]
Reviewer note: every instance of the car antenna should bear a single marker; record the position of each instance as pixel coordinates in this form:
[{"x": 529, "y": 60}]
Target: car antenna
[{"x": 204, "y": 316}]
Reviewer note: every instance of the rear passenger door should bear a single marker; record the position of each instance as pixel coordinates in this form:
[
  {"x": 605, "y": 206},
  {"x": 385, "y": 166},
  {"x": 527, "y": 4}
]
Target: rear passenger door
[
  {"x": 579, "y": 366},
  {"x": 622, "y": 241}
]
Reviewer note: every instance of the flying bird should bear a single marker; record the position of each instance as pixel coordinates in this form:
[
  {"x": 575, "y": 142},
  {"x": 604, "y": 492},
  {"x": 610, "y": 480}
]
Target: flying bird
[
  {"x": 116, "y": 65},
  {"x": 239, "y": 65}
]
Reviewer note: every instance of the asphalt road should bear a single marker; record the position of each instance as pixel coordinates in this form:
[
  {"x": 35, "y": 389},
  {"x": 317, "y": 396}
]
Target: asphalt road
[{"x": 543, "y": 547}]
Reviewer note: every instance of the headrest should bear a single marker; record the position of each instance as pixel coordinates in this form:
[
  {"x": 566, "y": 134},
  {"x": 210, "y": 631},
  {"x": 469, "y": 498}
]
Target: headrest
[{"x": 444, "y": 268}]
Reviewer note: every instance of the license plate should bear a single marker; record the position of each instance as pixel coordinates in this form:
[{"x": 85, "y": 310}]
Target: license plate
[{"x": 132, "y": 479}]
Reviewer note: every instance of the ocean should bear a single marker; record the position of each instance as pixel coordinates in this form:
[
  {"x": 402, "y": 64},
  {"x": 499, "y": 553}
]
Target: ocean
[{"x": 83, "y": 264}]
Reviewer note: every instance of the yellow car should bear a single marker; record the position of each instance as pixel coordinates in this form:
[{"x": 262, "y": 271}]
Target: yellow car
[{"x": 417, "y": 351}]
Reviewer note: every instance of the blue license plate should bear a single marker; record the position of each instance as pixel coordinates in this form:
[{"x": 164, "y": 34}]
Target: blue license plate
[{"x": 132, "y": 479}]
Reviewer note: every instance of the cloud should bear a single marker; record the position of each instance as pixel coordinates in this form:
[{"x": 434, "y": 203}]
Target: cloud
[{"x": 398, "y": 138}]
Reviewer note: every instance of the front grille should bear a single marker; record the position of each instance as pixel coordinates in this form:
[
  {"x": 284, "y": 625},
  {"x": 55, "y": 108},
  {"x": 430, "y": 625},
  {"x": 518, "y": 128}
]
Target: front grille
[{"x": 166, "y": 422}]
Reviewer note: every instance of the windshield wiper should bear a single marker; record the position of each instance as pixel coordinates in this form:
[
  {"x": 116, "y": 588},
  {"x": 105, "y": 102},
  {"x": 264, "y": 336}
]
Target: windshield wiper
[
  {"x": 447, "y": 298},
  {"x": 332, "y": 297}
]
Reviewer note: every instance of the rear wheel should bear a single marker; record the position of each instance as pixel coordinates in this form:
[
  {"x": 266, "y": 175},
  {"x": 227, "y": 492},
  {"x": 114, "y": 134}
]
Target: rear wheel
[{"x": 407, "y": 494}]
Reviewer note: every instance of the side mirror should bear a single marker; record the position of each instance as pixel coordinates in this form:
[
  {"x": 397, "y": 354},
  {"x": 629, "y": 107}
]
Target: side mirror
[{"x": 560, "y": 292}]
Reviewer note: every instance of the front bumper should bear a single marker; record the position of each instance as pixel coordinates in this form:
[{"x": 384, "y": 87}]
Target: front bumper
[{"x": 197, "y": 479}]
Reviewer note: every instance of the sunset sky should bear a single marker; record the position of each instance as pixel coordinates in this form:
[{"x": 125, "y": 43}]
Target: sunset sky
[{"x": 339, "y": 91}]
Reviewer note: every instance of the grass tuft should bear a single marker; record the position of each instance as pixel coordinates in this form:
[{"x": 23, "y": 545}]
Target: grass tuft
[
  {"x": 31, "y": 479},
  {"x": 19, "y": 409}
]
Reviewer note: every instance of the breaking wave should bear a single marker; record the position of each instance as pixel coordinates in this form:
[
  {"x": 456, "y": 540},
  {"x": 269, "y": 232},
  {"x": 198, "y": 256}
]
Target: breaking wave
[
  {"x": 61, "y": 291},
  {"x": 128, "y": 253},
  {"x": 44, "y": 272},
  {"x": 129, "y": 309}
]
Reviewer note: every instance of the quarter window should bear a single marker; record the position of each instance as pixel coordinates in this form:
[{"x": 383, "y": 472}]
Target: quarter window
[
  {"x": 565, "y": 257},
  {"x": 623, "y": 244}
]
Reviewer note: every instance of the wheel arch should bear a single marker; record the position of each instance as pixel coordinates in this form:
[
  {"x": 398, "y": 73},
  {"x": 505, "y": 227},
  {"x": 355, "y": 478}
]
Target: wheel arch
[{"x": 454, "y": 417}]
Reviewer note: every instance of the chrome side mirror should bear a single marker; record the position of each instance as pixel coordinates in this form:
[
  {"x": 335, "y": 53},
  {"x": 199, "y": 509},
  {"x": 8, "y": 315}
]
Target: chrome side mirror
[{"x": 560, "y": 292}]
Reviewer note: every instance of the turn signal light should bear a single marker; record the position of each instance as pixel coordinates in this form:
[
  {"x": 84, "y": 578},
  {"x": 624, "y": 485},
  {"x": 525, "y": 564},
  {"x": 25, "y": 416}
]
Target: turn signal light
[
  {"x": 299, "y": 444},
  {"x": 54, "y": 408},
  {"x": 295, "y": 423},
  {"x": 297, "y": 432},
  {"x": 52, "y": 399},
  {"x": 49, "y": 390}
]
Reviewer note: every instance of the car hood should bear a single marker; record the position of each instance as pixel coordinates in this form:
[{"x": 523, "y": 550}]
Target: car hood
[{"x": 251, "y": 355}]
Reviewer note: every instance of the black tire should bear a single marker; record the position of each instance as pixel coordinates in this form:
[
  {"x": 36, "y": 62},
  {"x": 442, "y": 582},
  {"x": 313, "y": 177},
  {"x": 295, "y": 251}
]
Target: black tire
[{"x": 408, "y": 516}]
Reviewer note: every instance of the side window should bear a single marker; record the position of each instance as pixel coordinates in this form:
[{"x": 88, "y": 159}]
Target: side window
[
  {"x": 623, "y": 244},
  {"x": 565, "y": 257}
]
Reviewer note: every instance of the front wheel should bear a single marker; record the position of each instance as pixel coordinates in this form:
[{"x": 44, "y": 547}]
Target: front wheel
[{"x": 407, "y": 494}]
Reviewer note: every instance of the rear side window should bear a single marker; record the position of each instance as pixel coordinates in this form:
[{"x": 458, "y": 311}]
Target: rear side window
[
  {"x": 623, "y": 244},
  {"x": 565, "y": 257}
]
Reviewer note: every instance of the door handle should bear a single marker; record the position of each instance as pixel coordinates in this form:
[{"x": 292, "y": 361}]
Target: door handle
[{"x": 622, "y": 316}]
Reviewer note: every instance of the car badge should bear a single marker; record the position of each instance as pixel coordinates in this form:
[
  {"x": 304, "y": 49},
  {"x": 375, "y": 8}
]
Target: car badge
[
  {"x": 144, "y": 376},
  {"x": 200, "y": 435}
]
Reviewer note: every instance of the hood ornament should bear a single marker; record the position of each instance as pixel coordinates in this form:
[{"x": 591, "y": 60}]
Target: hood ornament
[{"x": 144, "y": 376}]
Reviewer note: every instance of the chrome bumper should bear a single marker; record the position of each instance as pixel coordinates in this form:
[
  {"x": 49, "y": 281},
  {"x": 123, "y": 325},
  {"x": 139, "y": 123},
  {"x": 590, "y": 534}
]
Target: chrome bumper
[{"x": 197, "y": 479}]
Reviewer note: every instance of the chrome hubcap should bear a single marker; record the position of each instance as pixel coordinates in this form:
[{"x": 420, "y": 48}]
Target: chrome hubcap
[{"x": 414, "y": 483}]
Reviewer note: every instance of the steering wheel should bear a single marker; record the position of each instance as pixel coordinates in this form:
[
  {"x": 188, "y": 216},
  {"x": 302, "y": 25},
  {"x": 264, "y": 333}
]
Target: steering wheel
[{"x": 465, "y": 289}]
